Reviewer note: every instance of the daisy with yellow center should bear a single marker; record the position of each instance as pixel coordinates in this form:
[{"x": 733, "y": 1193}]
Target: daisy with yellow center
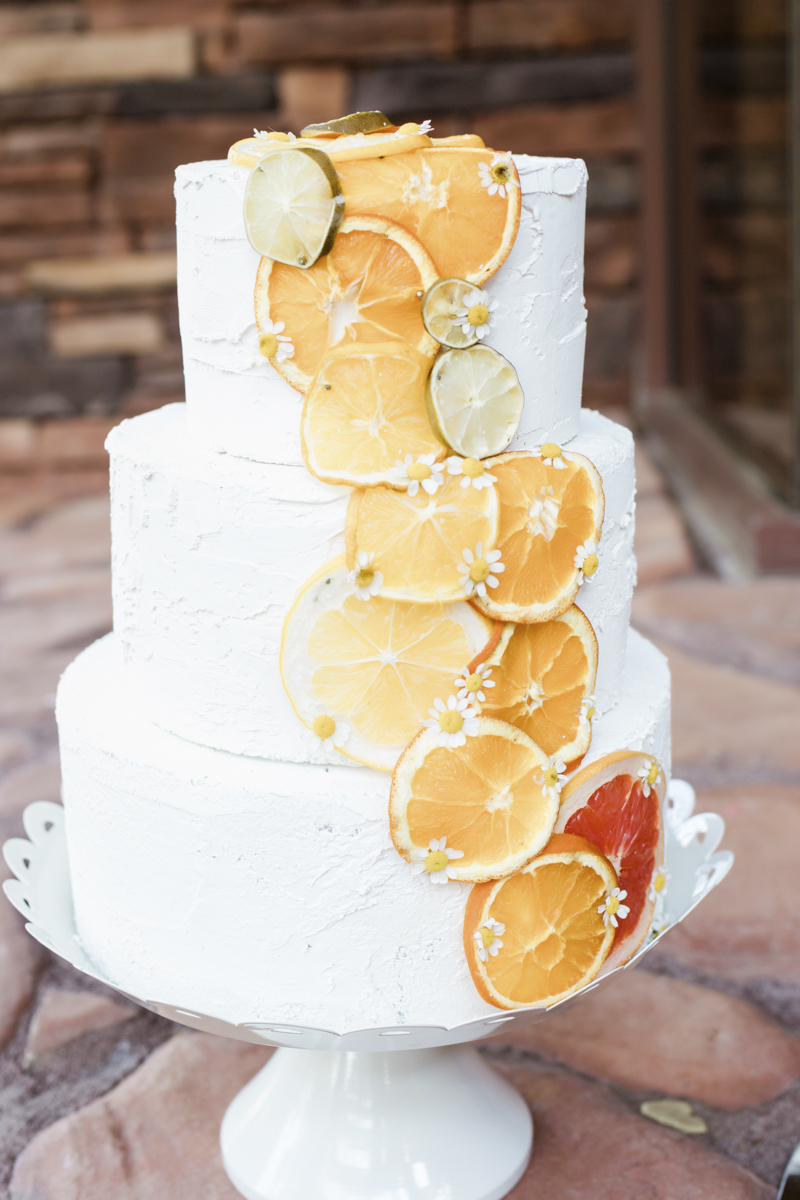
[
  {"x": 426, "y": 472},
  {"x": 470, "y": 686},
  {"x": 331, "y": 732},
  {"x": 452, "y": 723},
  {"x": 553, "y": 777},
  {"x": 612, "y": 908},
  {"x": 366, "y": 580},
  {"x": 658, "y": 886},
  {"x": 272, "y": 343},
  {"x": 475, "y": 314},
  {"x": 273, "y": 135},
  {"x": 473, "y": 471},
  {"x": 552, "y": 455},
  {"x": 436, "y": 861},
  {"x": 648, "y": 775},
  {"x": 498, "y": 176},
  {"x": 488, "y": 938},
  {"x": 412, "y": 127},
  {"x": 478, "y": 571},
  {"x": 588, "y": 711},
  {"x": 586, "y": 559}
]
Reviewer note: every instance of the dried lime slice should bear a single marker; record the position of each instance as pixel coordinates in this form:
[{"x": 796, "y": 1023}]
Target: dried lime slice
[
  {"x": 359, "y": 122},
  {"x": 474, "y": 401},
  {"x": 440, "y": 309},
  {"x": 293, "y": 205}
]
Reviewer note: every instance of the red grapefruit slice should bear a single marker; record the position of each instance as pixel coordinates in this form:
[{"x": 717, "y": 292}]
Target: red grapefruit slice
[{"x": 617, "y": 803}]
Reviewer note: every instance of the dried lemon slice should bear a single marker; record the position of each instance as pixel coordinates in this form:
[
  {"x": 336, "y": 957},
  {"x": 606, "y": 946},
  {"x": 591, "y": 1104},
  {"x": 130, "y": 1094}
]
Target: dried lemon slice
[
  {"x": 474, "y": 401},
  {"x": 486, "y": 796},
  {"x": 455, "y": 313},
  {"x": 374, "y": 666},
  {"x": 358, "y": 122},
  {"x": 293, "y": 205},
  {"x": 536, "y": 937}
]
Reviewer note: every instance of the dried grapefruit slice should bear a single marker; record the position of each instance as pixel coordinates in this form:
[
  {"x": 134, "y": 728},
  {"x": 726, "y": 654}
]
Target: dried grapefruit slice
[
  {"x": 374, "y": 666},
  {"x": 543, "y": 681},
  {"x": 546, "y": 513},
  {"x": 485, "y": 797},
  {"x": 442, "y": 195},
  {"x": 368, "y": 290},
  {"x": 365, "y": 411},
  {"x": 552, "y": 938},
  {"x": 617, "y": 804},
  {"x": 419, "y": 540}
]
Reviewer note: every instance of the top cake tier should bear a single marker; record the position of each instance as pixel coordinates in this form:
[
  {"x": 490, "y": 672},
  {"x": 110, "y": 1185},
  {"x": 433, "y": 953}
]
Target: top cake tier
[{"x": 237, "y": 402}]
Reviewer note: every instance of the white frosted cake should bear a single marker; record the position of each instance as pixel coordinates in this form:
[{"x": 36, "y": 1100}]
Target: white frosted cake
[{"x": 226, "y": 856}]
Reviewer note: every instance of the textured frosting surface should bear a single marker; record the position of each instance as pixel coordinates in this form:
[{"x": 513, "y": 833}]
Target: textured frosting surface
[
  {"x": 210, "y": 551},
  {"x": 253, "y": 890},
  {"x": 237, "y": 401}
]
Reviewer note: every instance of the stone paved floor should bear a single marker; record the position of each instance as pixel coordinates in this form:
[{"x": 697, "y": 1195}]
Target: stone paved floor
[{"x": 102, "y": 1102}]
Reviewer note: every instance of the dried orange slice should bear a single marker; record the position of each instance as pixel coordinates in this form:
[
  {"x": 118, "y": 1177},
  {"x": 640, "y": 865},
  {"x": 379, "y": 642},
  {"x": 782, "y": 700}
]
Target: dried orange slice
[
  {"x": 543, "y": 683},
  {"x": 546, "y": 513},
  {"x": 484, "y": 793},
  {"x": 552, "y": 939},
  {"x": 442, "y": 195},
  {"x": 617, "y": 804},
  {"x": 372, "y": 666},
  {"x": 420, "y": 539},
  {"x": 368, "y": 290},
  {"x": 460, "y": 139},
  {"x": 365, "y": 411}
]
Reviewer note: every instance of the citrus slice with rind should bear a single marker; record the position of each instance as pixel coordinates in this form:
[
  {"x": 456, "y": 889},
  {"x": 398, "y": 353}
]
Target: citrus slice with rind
[
  {"x": 617, "y": 803},
  {"x": 358, "y": 122},
  {"x": 484, "y": 796},
  {"x": 440, "y": 307},
  {"x": 543, "y": 681},
  {"x": 293, "y": 206},
  {"x": 419, "y": 541},
  {"x": 374, "y": 665},
  {"x": 474, "y": 401},
  {"x": 552, "y": 939},
  {"x": 546, "y": 513},
  {"x": 439, "y": 194},
  {"x": 461, "y": 139},
  {"x": 355, "y": 147},
  {"x": 368, "y": 290},
  {"x": 365, "y": 411}
]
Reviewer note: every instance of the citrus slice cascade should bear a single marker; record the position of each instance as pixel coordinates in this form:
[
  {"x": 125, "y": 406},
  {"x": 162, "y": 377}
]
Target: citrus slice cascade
[
  {"x": 368, "y": 290},
  {"x": 546, "y": 513},
  {"x": 419, "y": 541},
  {"x": 553, "y": 940},
  {"x": 541, "y": 683},
  {"x": 293, "y": 205},
  {"x": 617, "y": 804},
  {"x": 374, "y": 666},
  {"x": 485, "y": 797},
  {"x": 442, "y": 195},
  {"x": 365, "y": 411},
  {"x": 474, "y": 401}
]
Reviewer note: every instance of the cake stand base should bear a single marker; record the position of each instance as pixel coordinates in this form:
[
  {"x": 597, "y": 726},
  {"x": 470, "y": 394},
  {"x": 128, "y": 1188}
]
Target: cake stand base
[{"x": 401, "y": 1125}]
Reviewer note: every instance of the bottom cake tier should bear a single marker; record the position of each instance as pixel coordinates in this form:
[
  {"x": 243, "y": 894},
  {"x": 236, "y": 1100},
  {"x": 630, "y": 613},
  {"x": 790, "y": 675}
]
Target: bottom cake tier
[{"x": 251, "y": 889}]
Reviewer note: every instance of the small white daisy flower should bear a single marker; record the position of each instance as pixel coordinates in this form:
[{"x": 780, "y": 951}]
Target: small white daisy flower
[
  {"x": 426, "y": 127},
  {"x": 470, "y": 686},
  {"x": 613, "y": 909},
  {"x": 273, "y": 344},
  {"x": 333, "y": 732},
  {"x": 454, "y": 722},
  {"x": 479, "y": 570},
  {"x": 475, "y": 316},
  {"x": 436, "y": 861},
  {"x": 488, "y": 938},
  {"x": 552, "y": 455},
  {"x": 473, "y": 471},
  {"x": 366, "y": 580},
  {"x": 271, "y": 136},
  {"x": 552, "y": 777},
  {"x": 586, "y": 559},
  {"x": 658, "y": 885},
  {"x": 648, "y": 776},
  {"x": 588, "y": 711},
  {"x": 498, "y": 175},
  {"x": 426, "y": 471}
]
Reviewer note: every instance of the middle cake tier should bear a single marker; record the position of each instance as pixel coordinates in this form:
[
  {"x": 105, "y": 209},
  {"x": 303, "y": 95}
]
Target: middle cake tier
[{"x": 210, "y": 551}]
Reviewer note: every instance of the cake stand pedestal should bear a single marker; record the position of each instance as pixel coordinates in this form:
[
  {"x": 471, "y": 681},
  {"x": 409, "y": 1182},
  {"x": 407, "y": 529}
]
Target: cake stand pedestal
[{"x": 400, "y": 1113}]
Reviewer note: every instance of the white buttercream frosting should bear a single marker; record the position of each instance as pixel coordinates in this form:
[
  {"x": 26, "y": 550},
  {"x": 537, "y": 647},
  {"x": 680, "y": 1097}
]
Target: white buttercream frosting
[
  {"x": 238, "y": 403},
  {"x": 255, "y": 890}
]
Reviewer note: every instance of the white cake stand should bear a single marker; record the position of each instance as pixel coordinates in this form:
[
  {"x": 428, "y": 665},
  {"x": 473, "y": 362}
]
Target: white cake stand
[{"x": 343, "y": 1115}]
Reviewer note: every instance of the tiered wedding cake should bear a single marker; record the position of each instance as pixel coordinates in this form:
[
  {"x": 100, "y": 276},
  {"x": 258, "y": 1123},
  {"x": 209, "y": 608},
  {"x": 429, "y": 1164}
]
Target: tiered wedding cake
[{"x": 230, "y": 850}]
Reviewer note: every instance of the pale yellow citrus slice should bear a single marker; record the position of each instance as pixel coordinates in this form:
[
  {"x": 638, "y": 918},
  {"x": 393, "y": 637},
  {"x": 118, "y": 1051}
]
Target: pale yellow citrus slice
[
  {"x": 368, "y": 290},
  {"x": 365, "y": 411},
  {"x": 486, "y": 797},
  {"x": 536, "y": 937},
  {"x": 546, "y": 514},
  {"x": 543, "y": 684},
  {"x": 373, "y": 666},
  {"x": 248, "y": 151},
  {"x": 460, "y": 139},
  {"x": 617, "y": 803},
  {"x": 442, "y": 195},
  {"x": 474, "y": 401},
  {"x": 419, "y": 541},
  {"x": 293, "y": 206}
]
